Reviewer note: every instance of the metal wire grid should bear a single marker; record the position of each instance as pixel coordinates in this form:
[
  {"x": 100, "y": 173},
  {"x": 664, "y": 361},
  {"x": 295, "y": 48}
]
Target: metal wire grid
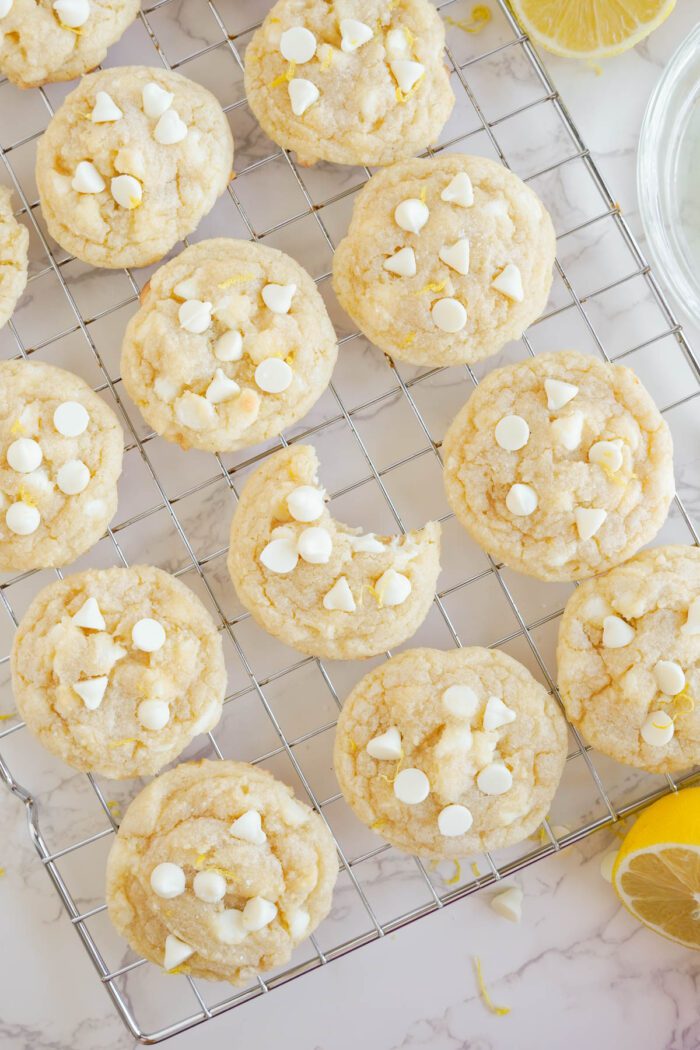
[{"x": 407, "y": 388}]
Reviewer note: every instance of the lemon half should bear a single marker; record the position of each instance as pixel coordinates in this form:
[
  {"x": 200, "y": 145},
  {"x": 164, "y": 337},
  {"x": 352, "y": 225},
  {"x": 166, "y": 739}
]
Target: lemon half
[
  {"x": 657, "y": 872},
  {"x": 590, "y": 29}
]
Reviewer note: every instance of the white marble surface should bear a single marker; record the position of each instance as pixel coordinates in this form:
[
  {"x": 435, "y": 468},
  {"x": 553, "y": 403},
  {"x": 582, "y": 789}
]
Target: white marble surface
[{"x": 577, "y": 972}]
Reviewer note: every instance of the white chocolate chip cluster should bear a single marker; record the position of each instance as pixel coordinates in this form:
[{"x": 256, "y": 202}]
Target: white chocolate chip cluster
[
  {"x": 232, "y": 341},
  {"x": 629, "y": 659},
  {"x": 117, "y": 669},
  {"x": 443, "y": 753},
  {"x": 560, "y": 466},
  {"x": 217, "y": 868}
]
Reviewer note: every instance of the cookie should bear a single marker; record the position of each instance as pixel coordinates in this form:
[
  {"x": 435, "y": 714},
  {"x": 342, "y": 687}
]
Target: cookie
[
  {"x": 450, "y": 753},
  {"x": 60, "y": 459},
  {"x": 14, "y": 243},
  {"x": 629, "y": 660},
  {"x": 316, "y": 584},
  {"x": 130, "y": 163},
  {"x": 445, "y": 260},
  {"x": 116, "y": 670},
  {"x": 232, "y": 344},
  {"x": 218, "y": 871},
  {"x": 42, "y": 43},
  {"x": 560, "y": 466},
  {"x": 354, "y": 82}
]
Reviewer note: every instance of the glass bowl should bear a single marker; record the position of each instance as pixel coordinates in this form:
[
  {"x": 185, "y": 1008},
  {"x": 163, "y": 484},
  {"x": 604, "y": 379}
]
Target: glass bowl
[{"x": 668, "y": 177}]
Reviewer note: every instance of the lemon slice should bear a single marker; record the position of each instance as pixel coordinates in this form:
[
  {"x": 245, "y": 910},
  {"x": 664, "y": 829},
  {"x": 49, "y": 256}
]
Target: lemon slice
[
  {"x": 657, "y": 872},
  {"x": 590, "y": 28}
]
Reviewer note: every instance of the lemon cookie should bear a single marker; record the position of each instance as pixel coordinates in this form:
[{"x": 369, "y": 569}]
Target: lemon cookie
[
  {"x": 354, "y": 82},
  {"x": 232, "y": 344},
  {"x": 130, "y": 163},
  {"x": 58, "y": 40},
  {"x": 629, "y": 660},
  {"x": 560, "y": 466},
  {"x": 60, "y": 459},
  {"x": 116, "y": 670},
  {"x": 218, "y": 871},
  {"x": 445, "y": 260},
  {"x": 318, "y": 585},
  {"x": 14, "y": 242},
  {"x": 448, "y": 753}
]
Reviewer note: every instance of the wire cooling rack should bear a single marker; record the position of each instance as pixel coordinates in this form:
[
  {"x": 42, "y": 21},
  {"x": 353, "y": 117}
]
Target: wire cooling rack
[{"x": 378, "y": 431}]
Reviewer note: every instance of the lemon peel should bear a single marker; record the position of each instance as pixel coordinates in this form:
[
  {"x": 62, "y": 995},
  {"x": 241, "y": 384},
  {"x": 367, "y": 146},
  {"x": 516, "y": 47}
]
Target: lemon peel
[
  {"x": 456, "y": 876},
  {"x": 480, "y": 18},
  {"x": 239, "y": 278},
  {"x": 499, "y": 1011},
  {"x": 432, "y": 286},
  {"x": 17, "y": 427}
]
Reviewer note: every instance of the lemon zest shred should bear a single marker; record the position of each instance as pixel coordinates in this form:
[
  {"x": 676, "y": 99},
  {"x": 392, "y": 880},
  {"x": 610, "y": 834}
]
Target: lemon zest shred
[
  {"x": 397, "y": 770},
  {"x": 200, "y": 858},
  {"x": 2, "y": 872},
  {"x": 278, "y": 80},
  {"x": 328, "y": 56},
  {"x": 410, "y": 38},
  {"x": 456, "y": 876},
  {"x": 354, "y": 747},
  {"x": 291, "y": 70},
  {"x": 688, "y": 702},
  {"x": 377, "y": 825},
  {"x": 274, "y": 20},
  {"x": 409, "y": 338},
  {"x": 17, "y": 427},
  {"x": 594, "y": 67},
  {"x": 432, "y": 286},
  {"x": 176, "y": 969},
  {"x": 126, "y": 740},
  {"x": 480, "y": 18},
  {"x": 4, "y": 718},
  {"x": 423, "y": 195},
  {"x": 238, "y": 278},
  {"x": 375, "y": 594},
  {"x": 500, "y": 1011},
  {"x": 475, "y": 870},
  {"x": 71, "y": 29},
  {"x": 114, "y": 805},
  {"x": 26, "y": 497}
]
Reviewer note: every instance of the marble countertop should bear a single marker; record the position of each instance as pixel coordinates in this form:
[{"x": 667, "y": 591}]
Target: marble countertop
[{"x": 577, "y": 972}]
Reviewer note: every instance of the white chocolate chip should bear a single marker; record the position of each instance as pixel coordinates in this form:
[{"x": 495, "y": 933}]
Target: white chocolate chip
[
  {"x": 280, "y": 556},
  {"x": 91, "y": 691},
  {"x": 495, "y": 779},
  {"x": 273, "y": 375},
  {"x": 127, "y": 191},
  {"x": 305, "y": 503},
  {"x": 176, "y": 952},
  {"x": 24, "y": 455},
  {"x": 403, "y": 263},
  {"x": 509, "y": 904},
  {"x": 497, "y": 714},
  {"x": 387, "y": 746},
  {"x": 315, "y": 545},
  {"x": 411, "y": 786},
  {"x": 396, "y": 42},
  {"x": 367, "y": 544},
  {"x": 194, "y": 316},
  {"x": 449, "y": 315},
  {"x": 354, "y": 34},
  {"x": 22, "y": 518},
  {"x": 72, "y": 13},
  {"x": 567, "y": 430},
  {"x": 299, "y": 923},
  {"x": 258, "y": 912},
  {"x": 229, "y": 346},
  {"x": 194, "y": 411},
  {"x": 692, "y": 623},
  {"x": 456, "y": 255},
  {"x": 459, "y": 190},
  {"x": 168, "y": 880},
  {"x": 658, "y": 729},
  {"x": 670, "y": 677},
  {"x": 510, "y": 283},
  {"x": 89, "y": 616},
  {"x": 209, "y": 886},
  {"x": 454, "y": 820},
  {"x": 521, "y": 500},
  {"x": 5, "y": 7},
  {"x": 105, "y": 109},
  {"x": 559, "y": 393},
  {"x": 229, "y": 927},
  {"x": 153, "y": 714},
  {"x": 607, "y": 863},
  {"x": 512, "y": 433},
  {"x": 298, "y": 45},
  {"x": 496, "y": 207},
  {"x": 589, "y": 520},
  {"x": 460, "y": 700},
  {"x": 340, "y": 596},
  {"x": 156, "y": 100},
  {"x": 73, "y": 477},
  {"x": 87, "y": 179},
  {"x": 248, "y": 827},
  {"x": 616, "y": 632},
  {"x": 170, "y": 128},
  {"x": 407, "y": 73},
  {"x": 596, "y": 609},
  {"x": 302, "y": 94},
  {"x": 278, "y": 297},
  {"x": 293, "y": 813},
  {"x": 187, "y": 289},
  {"x": 392, "y": 588},
  {"x": 221, "y": 388},
  {"x": 71, "y": 419},
  {"x": 607, "y": 454},
  {"x": 148, "y": 635},
  {"x": 411, "y": 215}
]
